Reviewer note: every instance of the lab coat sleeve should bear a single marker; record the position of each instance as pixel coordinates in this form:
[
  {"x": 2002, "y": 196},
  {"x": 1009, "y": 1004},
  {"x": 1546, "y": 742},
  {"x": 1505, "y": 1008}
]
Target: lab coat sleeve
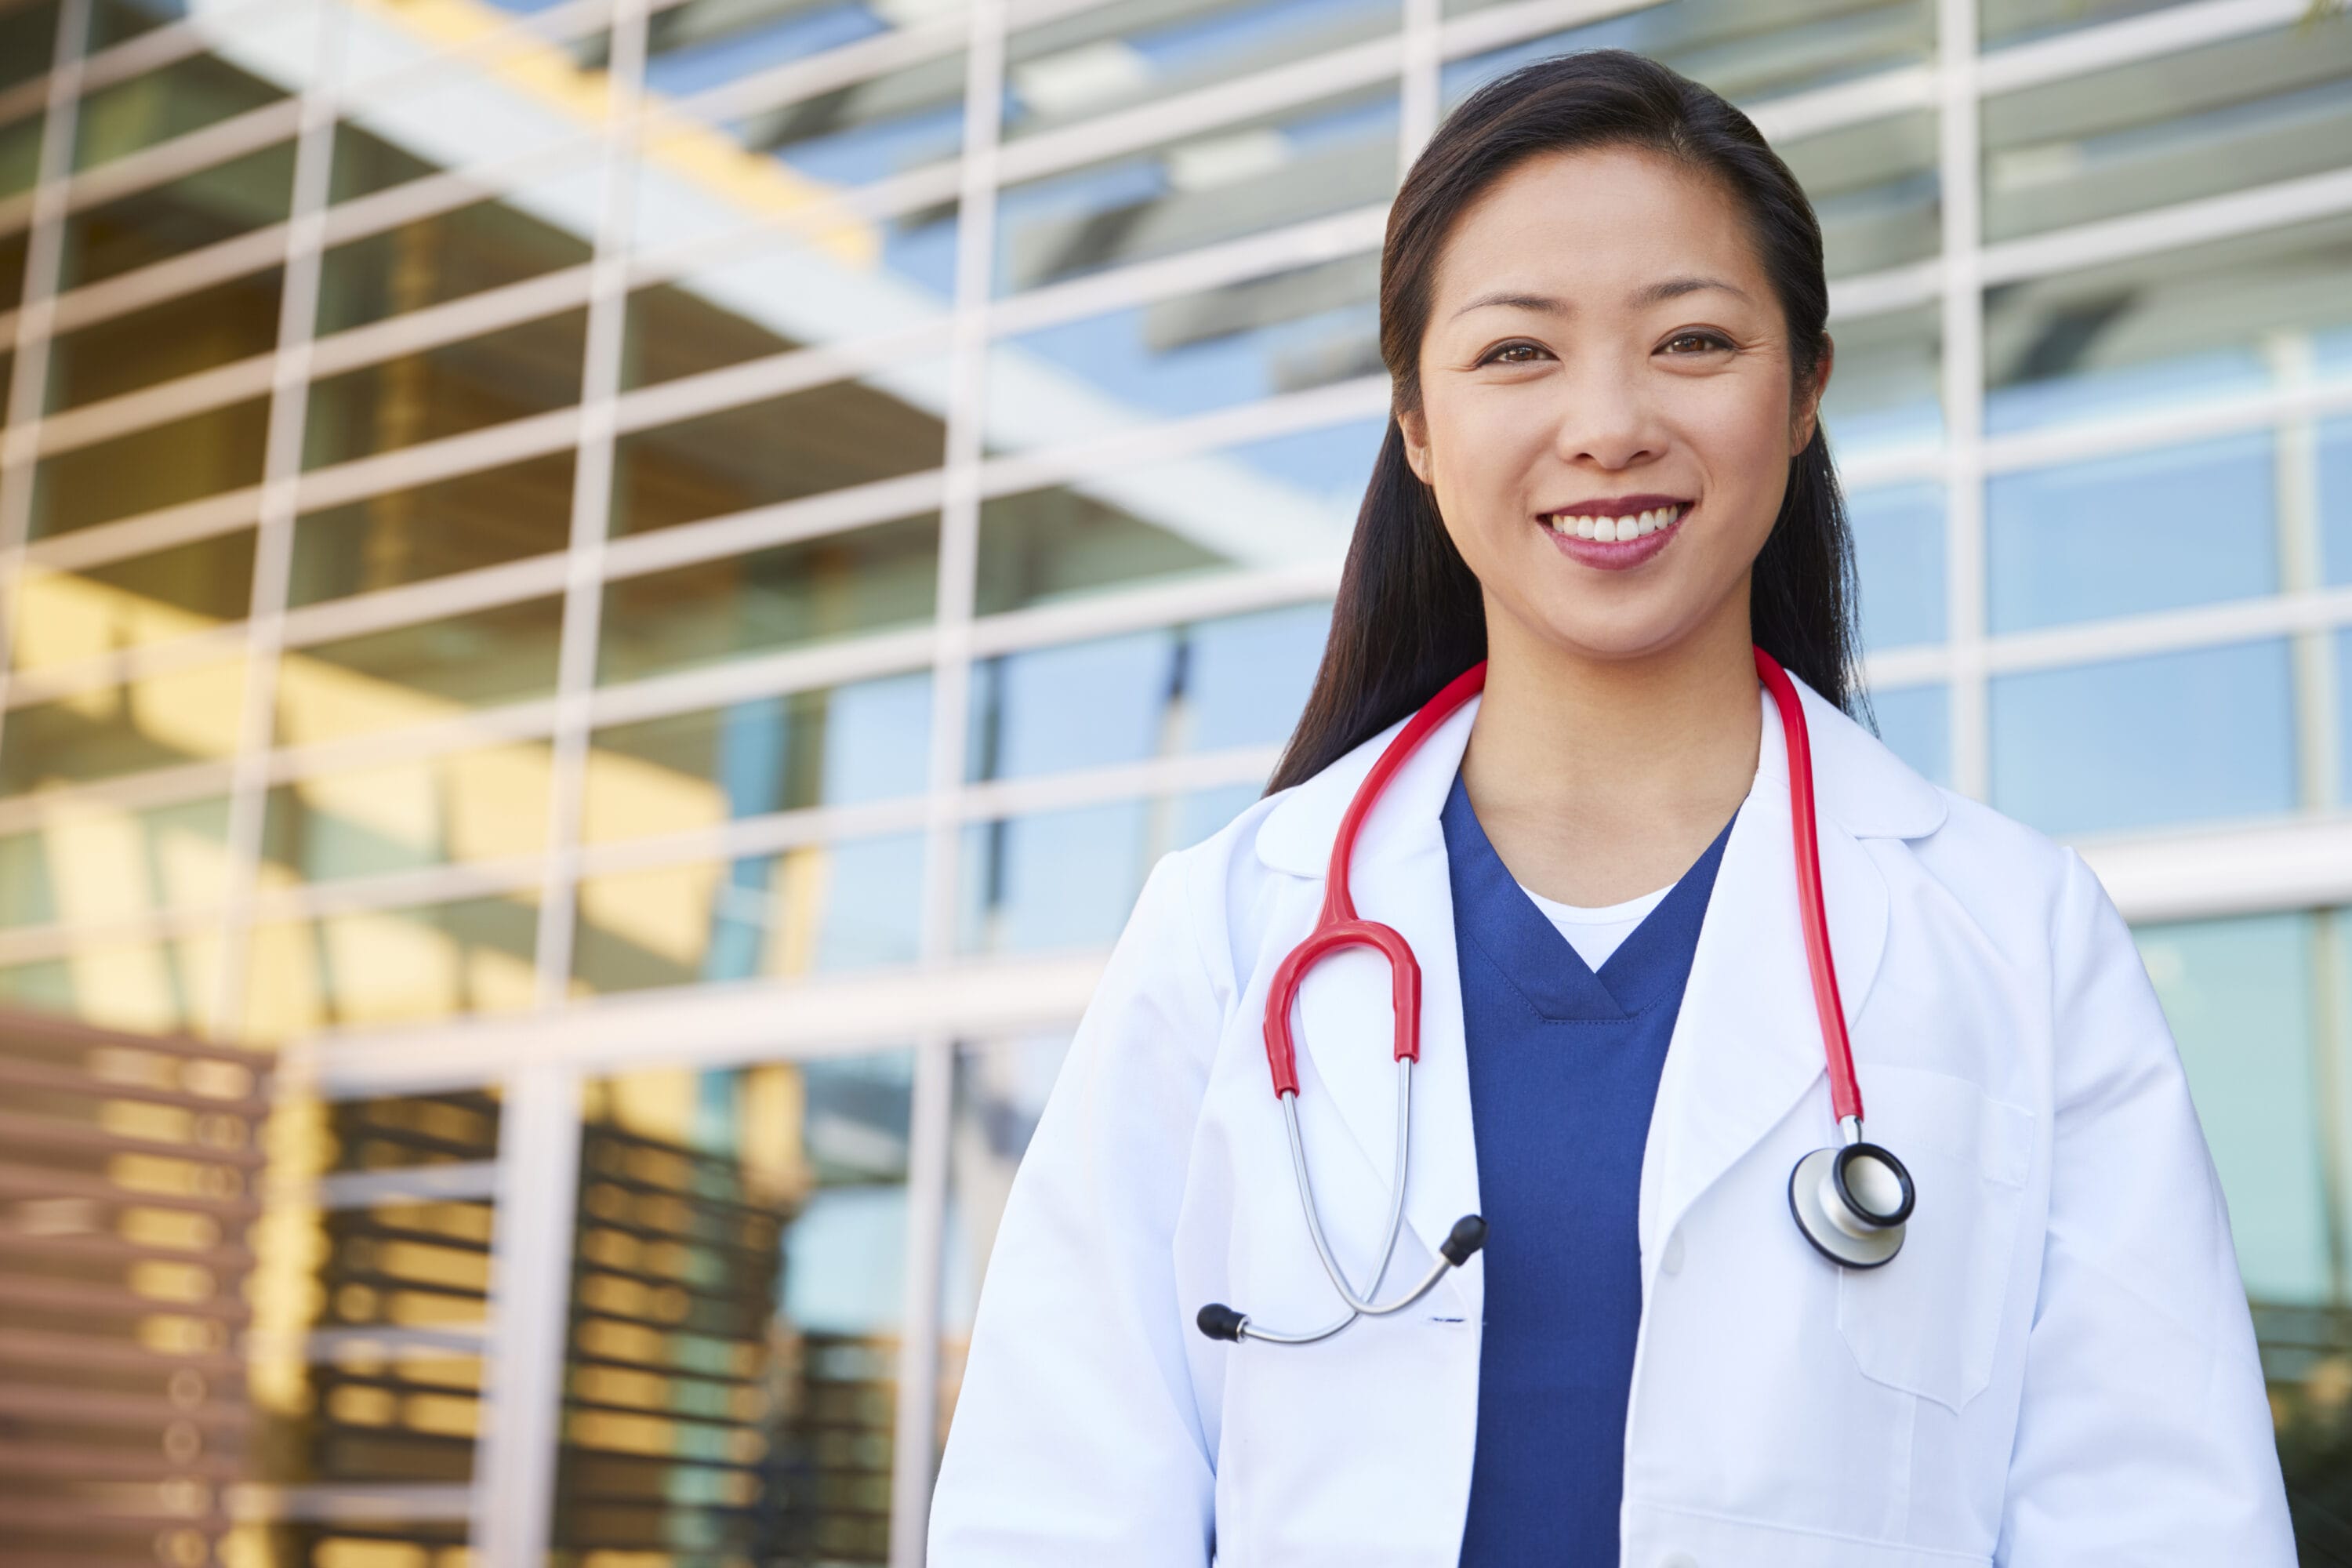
[
  {"x": 1077, "y": 1441},
  {"x": 2144, "y": 1434}
]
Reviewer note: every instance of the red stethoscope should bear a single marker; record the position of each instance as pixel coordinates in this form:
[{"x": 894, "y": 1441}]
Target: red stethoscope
[{"x": 1851, "y": 1202}]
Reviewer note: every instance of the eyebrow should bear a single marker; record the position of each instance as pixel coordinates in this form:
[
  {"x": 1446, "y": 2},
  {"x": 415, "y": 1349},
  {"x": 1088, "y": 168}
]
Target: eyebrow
[{"x": 1648, "y": 294}]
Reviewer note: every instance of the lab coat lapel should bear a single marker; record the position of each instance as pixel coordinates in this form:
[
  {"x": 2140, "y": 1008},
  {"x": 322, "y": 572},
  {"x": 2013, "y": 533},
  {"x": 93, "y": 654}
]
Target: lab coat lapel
[
  {"x": 1747, "y": 1044},
  {"x": 1399, "y": 877}
]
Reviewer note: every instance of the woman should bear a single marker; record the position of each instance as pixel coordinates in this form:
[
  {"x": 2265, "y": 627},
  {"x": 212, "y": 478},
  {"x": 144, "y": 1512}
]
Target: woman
[{"x": 1601, "y": 307}]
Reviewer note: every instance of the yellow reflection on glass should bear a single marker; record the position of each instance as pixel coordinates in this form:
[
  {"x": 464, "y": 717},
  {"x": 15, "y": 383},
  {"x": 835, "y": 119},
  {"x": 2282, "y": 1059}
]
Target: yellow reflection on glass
[
  {"x": 392, "y": 966},
  {"x": 62, "y": 617},
  {"x": 445, "y": 810},
  {"x": 141, "y": 987},
  {"x": 92, "y": 860},
  {"x": 156, "y": 721}
]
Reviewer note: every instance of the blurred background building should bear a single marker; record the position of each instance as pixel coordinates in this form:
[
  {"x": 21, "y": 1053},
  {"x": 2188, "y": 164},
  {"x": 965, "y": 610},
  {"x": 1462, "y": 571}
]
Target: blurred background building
[{"x": 606, "y": 603}]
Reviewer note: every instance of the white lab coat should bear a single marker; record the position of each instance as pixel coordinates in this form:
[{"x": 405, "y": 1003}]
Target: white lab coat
[{"x": 2058, "y": 1371}]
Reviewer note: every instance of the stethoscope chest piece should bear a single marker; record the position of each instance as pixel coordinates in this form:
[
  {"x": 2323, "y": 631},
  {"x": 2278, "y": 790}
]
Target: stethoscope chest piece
[{"x": 1851, "y": 1203}]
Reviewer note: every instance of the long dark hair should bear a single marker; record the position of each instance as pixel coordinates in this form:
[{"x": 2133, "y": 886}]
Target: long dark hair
[{"x": 1409, "y": 616}]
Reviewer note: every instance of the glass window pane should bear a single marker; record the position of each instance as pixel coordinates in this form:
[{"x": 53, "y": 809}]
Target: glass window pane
[
  {"x": 2098, "y": 748},
  {"x": 13, "y": 247},
  {"x": 2344, "y": 718},
  {"x": 2019, "y": 21},
  {"x": 2238, "y": 316},
  {"x": 881, "y": 426},
  {"x": 1916, "y": 723},
  {"x": 411, "y": 101},
  {"x": 691, "y": 49},
  {"x": 446, "y": 390},
  {"x": 108, "y": 731},
  {"x": 2238, "y": 994},
  {"x": 1290, "y": 331},
  {"x": 29, "y": 36},
  {"x": 1089, "y": 704},
  {"x": 101, "y": 862},
  {"x": 449, "y": 255},
  {"x": 177, "y": 217},
  {"x": 1280, "y": 501},
  {"x": 445, "y": 810},
  {"x": 2146, "y": 531},
  {"x": 184, "y": 96},
  {"x": 2334, "y": 441},
  {"x": 415, "y": 966},
  {"x": 845, "y": 746},
  {"x": 788, "y": 595},
  {"x": 770, "y": 300},
  {"x": 1899, "y": 547},
  {"x": 197, "y": 331},
  {"x": 140, "y": 986},
  {"x": 62, "y": 617},
  {"x": 1057, "y": 880},
  {"x": 1886, "y": 382},
  {"x": 429, "y": 531},
  {"x": 819, "y": 908},
  {"x": 113, "y": 22},
  {"x": 1133, "y": 52},
  {"x": 417, "y": 674},
  {"x": 1246, "y": 676},
  {"x": 731, "y": 1379},
  {"x": 1268, "y": 171},
  {"x": 20, "y": 156},
  {"x": 163, "y": 465},
  {"x": 2223, "y": 117},
  {"x": 1746, "y": 52}
]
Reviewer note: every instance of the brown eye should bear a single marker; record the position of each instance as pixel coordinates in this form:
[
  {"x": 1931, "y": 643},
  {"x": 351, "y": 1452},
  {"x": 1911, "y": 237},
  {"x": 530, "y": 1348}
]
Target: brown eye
[
  {"x": 1705, "y": 340},
  {"x": 1495, "y": 356}
]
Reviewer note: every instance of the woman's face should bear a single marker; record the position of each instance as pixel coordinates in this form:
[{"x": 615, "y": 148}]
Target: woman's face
[{"x": 1604, "y": 346}]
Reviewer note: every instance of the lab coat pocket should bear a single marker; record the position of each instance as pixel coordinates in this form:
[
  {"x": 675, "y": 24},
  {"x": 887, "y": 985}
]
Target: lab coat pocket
[{"x": 1928, "y": 1320}]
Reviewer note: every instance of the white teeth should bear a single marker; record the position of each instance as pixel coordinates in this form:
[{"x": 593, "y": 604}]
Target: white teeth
[
  {"x": 1585, "y": 526},
  {"x": 1605, "y": 530},
  {"x": 1613, "y": 528}
]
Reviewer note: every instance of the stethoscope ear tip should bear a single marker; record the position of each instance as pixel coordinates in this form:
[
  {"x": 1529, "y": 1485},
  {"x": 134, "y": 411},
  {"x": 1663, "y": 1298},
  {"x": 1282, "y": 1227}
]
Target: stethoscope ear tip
[
  {"x": 1468, "y": 1235},
  {"x": 1220, "y": 1321}
]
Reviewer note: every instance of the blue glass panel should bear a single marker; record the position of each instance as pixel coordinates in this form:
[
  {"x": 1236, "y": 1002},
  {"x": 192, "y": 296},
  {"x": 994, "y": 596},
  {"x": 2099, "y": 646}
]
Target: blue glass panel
[
  {"x": 2238, "y": 994},
  {"x": 2146, "y": 530},
  {"x": 2141, "y": 742},
  {"x": 2344, "y": 717},
  {"x": 1246, "y": 676},
  {"x": 1089, "y": 704},
  {"x": 1899, "y": 547},
  {"x": 2336, "y": 498},
  {"x": 873, "y": 903},
  {"x": 1204, "y": 812},
  {"x": 1059, "y": 880},
  {"x": 876, "y": 739},
  {"x": 1916, "y": 722}
]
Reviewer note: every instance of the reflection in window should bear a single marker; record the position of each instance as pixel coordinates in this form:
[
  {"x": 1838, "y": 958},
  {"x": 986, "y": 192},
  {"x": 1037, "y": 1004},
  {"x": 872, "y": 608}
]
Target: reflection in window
[
  {"x": 2231, "y": 317},
  {"x": 415, "y": 674},
  {"x": 1238, "y": 681},
  {"x": 843, "y": 746},
  {"x": 62, "y": 617},
  {"x": 1278, "y": 502},
  {"x": 1899, "y": 547},
  {"x": 1745, "y": 52},
  {"x": 1133, "y": 52},
  {"x": 105, "y": 862},
  {"x": 1065, "y": 879},
  {"x": 432, "y": 260},
  {"x": 2238, "y": 995},
  {"x": 695, "y": 49},
  {"x": 729, "y": 1379},
  {"x": 1877, "y": 189},
  {"x": 2223, "y": 117},
  {"x": 1263, "y": 172},
  {"x": 419, "y": 965},
  {"x": 450, "y": 809},
  {"x": 197, "y": 332},
  {"x": 180, "y": 215},
  {"x": 27, "y": 41},
  {"x": 185, "y": 96},
  {"x": 1886, "y": 382},
  {"x": 2099, "y": 748},
  {"x": 432, "y": 530},
  {"x": 1238, "y": 342},
  {"x": 2019, "y": 21},
  {"x": 884, "y": 425},
  {"x": 2146, "y": 531},
  {"x": 870, "y": 579},
  {"x": 446, "y": 390},
  {"x": 163, "y": 465},
  {"x": 20, "y": 166},
  {"x": 2334, "y": 464},
  {"x": 1916, "y": 723},
  {"x": 1000, "y": 1088},
  {"x": 155, "y": 721},
  {"x": 146, "y": 987}
]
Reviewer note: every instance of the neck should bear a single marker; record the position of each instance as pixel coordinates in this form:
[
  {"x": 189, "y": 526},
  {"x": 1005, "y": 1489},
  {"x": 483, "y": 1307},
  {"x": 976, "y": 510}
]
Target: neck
[{"x": 1600, "y": 780}]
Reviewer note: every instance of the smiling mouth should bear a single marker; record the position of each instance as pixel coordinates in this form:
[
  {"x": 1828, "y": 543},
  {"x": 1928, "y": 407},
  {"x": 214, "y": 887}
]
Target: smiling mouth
[{"x": 1613, "y": 530}]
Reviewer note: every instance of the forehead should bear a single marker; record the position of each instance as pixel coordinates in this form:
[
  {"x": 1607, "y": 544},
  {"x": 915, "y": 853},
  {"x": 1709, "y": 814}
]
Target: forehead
[{"x": 1611, "y": 216}]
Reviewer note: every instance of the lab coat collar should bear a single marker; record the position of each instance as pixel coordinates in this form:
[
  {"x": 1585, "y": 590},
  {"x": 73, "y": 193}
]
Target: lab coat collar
[{"x": 1747, "y": 1043}]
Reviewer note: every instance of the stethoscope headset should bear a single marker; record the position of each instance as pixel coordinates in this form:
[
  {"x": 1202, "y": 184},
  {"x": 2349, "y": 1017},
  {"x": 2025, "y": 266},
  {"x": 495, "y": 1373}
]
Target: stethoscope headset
[{"x": 1851, "y": 1202}]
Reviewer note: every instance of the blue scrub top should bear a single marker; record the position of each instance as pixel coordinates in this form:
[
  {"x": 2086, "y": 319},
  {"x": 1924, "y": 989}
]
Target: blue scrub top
[{"x": 1564, "y": 1065}]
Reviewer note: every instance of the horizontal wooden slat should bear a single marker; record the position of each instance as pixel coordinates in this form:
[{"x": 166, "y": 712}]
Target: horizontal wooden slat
[
  {"x": 55, "y": 1133},
  {"x": 22, "y": 1072},
  {"x": 29, "y": 1181},
  {"x": 19, "y": 1345},
  {"x": 69, "y": 1295}
]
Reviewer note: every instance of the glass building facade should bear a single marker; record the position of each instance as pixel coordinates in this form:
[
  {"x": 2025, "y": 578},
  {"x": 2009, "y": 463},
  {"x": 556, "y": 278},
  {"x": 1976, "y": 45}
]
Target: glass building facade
[{"x": 618, "y": 595}]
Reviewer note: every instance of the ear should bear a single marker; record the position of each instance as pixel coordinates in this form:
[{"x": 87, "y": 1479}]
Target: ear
[
  {"x": 1415, "y": 427},
  {"x": 1809, "y": 408}
]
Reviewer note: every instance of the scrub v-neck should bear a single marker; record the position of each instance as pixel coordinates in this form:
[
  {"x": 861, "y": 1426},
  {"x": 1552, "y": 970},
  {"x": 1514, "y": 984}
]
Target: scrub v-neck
[{"x": 1564, "y": 1064}]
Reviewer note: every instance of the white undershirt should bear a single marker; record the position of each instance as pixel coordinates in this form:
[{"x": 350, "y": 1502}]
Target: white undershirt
[{"x": 1596, "y": 932}]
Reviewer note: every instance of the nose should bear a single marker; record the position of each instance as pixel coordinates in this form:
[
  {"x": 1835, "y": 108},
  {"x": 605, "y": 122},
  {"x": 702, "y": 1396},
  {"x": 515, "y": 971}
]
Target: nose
[{"x": 1607, "y": 418}]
